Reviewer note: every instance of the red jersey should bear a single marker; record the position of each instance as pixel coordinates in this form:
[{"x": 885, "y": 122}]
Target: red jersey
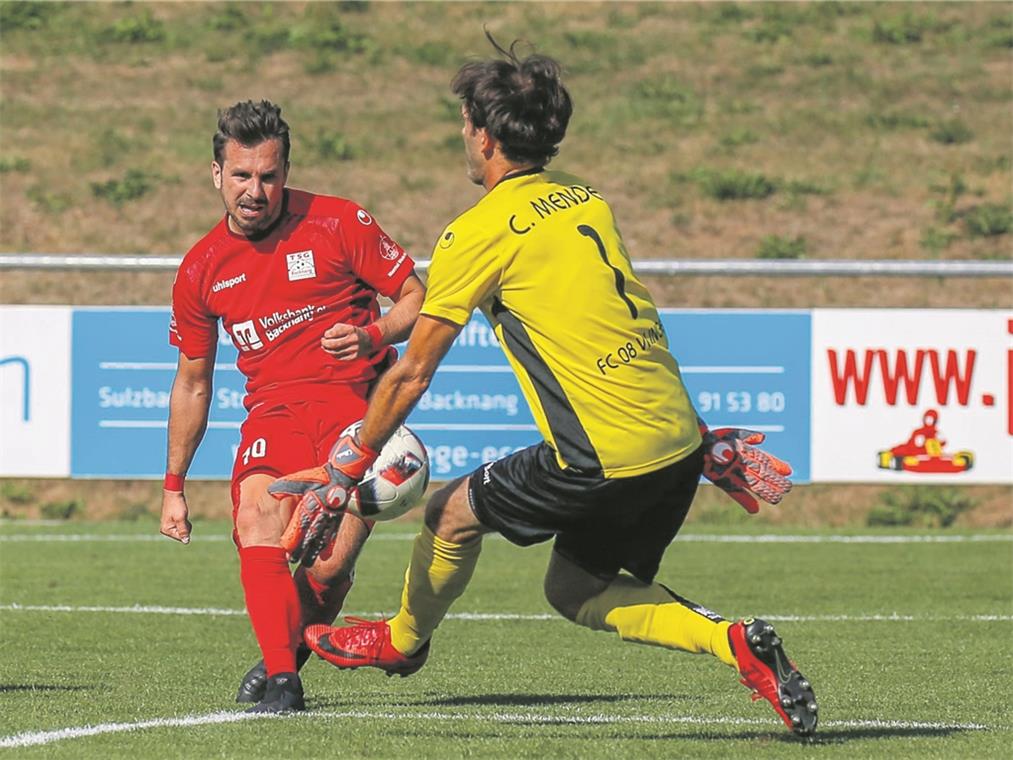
[{"x": 324, "y": 261}]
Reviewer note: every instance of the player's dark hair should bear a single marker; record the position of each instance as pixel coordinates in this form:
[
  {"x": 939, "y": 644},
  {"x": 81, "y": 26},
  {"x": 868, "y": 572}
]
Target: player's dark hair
[
  {"x": 520, "y": 101},
  {"x": 249, "y": 124}
]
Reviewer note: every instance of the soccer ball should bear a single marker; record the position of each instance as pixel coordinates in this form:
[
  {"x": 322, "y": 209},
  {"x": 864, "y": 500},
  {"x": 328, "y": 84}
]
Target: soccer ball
[{"x": 396, "y": 481}]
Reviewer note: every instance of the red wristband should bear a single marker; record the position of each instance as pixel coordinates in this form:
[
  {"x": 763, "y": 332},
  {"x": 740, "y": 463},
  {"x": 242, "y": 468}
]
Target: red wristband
[
  {"x": 375, "y": 334},
  {"x": 173, "y": 482}
]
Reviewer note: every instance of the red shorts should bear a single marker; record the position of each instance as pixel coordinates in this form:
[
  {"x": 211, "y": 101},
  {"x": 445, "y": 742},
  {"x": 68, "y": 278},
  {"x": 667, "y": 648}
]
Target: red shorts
[{"x": 278, "y": 439}]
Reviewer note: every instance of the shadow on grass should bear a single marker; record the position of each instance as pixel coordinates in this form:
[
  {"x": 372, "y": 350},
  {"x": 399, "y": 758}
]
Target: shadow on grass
[
  {"x": 845, "y": 735},
  {"x": 534, "y": 700},
  {"x": 498, "y": 700},
  {"x": 6, "y": 687},
  {"x": 696, "y": 734}
]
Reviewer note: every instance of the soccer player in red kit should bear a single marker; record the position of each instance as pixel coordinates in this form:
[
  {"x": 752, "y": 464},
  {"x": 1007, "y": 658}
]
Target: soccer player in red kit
[{"x": 293, "y": 277}]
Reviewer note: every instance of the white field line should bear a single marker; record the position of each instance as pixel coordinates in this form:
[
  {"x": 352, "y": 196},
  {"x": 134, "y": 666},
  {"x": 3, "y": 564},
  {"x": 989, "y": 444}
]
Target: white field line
[
  {"x": 690, "y": 538},
  {"x": 37, "y": 738},
  {"x": 892, "y": 617}
]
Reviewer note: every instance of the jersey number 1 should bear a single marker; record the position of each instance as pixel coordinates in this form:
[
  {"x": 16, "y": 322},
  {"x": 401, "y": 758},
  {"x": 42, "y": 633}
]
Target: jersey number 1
[{"x": 592, "y": 233}]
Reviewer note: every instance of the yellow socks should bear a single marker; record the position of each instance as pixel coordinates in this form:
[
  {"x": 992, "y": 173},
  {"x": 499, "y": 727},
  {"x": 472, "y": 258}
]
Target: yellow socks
[
  {"x": 438, "y": 574},
  {"x": 651, "y": 614}
]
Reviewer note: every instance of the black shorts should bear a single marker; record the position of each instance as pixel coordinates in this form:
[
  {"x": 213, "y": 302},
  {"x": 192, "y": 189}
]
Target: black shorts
[{"x": 603, "y": 525}]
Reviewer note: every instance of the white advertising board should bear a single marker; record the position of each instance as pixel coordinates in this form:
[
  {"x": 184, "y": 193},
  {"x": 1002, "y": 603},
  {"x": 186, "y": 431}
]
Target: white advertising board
[
  {"x": 35, "y": 391},
  {"x": 912, "y": 396}
]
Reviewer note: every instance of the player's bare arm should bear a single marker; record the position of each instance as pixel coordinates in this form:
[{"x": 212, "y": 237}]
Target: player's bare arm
[
  {"x": 189, "y": 403},
  {"x": 402, "y": 385},
  {"x": 346, "y": 342}
]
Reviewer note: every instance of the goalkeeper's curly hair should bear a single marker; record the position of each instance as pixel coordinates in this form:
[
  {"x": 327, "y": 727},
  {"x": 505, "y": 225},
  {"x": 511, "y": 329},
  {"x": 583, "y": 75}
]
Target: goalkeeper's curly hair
[{"x": 520, "y": 101}]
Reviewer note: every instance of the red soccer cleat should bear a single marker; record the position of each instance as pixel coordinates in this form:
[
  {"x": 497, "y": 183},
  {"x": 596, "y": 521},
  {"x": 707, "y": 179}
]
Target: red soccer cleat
[
  {"x": 364, "y": 644},
  {"x": 766, "y": 669}
]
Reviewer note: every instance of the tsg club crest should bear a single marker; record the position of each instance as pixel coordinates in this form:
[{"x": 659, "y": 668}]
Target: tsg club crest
[{"x": 300, "y": 266}]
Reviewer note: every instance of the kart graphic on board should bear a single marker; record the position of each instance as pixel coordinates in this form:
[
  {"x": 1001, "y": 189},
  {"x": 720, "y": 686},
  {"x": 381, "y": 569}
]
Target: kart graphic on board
[{"x": 923, "y": 452}]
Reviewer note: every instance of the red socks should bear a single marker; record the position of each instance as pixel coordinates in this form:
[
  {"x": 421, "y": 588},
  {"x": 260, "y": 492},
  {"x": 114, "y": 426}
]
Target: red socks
[{"x": 273, "y": 605}]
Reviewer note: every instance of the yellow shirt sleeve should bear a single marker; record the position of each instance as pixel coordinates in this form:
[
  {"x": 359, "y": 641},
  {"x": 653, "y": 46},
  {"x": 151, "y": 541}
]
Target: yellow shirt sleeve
[{"x": 463, "y": 273}]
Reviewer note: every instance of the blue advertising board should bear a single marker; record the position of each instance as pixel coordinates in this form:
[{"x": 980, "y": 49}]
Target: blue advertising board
[
  {"x": 122, "y": 368},
  {"x": 473, "y": 412},
  {"x": 749, "y": 369}
]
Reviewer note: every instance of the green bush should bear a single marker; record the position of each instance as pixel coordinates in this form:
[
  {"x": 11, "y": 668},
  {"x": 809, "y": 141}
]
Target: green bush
[
  {"x": 136, "y": 29},
  {"x": 16, "y": 493},
  {"x": 31, "y": 16},
  {"x": 890, "y": 120},
  {"x": 667, "y": 98},
  {"x": 135, "y": 184},
  {"x": 947, "y": 196},
  {"x": 48, "y": 201},
  {"x": 733, "y": 184},
  {"x": 738, "y": 136},
  {"x": 14, "y": 164},
  {"x": 905, "y": 29},
  {"x": 62, "y": 510},
  {"x": 229, "y": 19},
  {"x": 804, "y": 187},
  {"x": 333, "y": 146},
  {"x": 988, "y": 220},
  {"x": 951, "y": 132},
  {"x": 818, "y": 59},
  {"x": 935, "y": 240},
  {"x": 327, "y": 34},
  {"x": 919, "y": 507},
  {"x": 110, "y": 146},
  {"x": 432, "y": 53},
  {"x": 777, "y": 247}
]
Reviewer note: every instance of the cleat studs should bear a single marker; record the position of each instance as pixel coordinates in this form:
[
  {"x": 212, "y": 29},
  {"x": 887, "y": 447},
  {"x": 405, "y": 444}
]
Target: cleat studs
[
  {"x": 796, "y": 720},
  {"x": 755, "y": 638},
  {"x": 812, "y": 707},
  {"x": 775, "y": 642},
  {"x": 804, "y": 684},
  {"x": 768, "y": 628},
  {"x": 786, "y": 702}
]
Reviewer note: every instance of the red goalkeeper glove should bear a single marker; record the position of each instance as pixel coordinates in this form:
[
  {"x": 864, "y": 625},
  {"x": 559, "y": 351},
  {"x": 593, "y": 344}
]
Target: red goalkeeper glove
[
  {"x": 324, "y": 492},
  {"x": 744, "y": 472}
]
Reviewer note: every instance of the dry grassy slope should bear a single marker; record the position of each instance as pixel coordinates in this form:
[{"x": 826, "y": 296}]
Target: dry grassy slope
[{"x": 843, "y": 100}]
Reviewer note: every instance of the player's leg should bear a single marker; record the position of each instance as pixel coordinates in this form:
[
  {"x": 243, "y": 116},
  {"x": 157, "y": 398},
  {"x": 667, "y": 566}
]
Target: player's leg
[
  {"x": 324, "y": 586},
  {"x": 584, "y": 584},
  {"x": 308, "y": 430},
  {"x": 507, "y": 496},
  {"x": 322, "y": 590},
  {"x": 646, "y": 613},
  {"x": 443, "y": 560},
  {"x": 271, "y": 444},
  {"x": 271, "y": 598},
  {"x": 583, "y": 581}
]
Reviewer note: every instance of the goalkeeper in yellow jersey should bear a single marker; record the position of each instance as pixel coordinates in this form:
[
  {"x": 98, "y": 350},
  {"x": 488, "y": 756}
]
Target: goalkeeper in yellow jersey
[{"x": 623, "y": 449}]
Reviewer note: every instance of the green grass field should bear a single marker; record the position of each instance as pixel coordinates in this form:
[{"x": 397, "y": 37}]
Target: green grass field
[{"x": 907, "y": 642}]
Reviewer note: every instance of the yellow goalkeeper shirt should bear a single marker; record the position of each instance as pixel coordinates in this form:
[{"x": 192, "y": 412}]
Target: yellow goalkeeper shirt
[{"x": 541, "y": 255}]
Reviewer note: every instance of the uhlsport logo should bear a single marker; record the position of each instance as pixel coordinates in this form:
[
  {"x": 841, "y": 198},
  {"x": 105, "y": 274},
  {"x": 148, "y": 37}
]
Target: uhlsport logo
[
  {"x": 231, "y": 282},
  {"x": 300, "y": 266}
]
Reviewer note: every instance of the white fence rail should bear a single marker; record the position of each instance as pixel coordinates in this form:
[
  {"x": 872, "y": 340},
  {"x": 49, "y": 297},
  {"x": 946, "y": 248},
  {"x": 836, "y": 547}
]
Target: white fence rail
[{"x": 709, "y": 268}]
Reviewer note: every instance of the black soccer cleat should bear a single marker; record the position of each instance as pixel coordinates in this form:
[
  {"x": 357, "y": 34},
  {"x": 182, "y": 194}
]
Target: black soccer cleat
[
  {"x": 766, "y": 669},
  {"x": 283, "y": 695},
  {"x": 254, "y": 683}
]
